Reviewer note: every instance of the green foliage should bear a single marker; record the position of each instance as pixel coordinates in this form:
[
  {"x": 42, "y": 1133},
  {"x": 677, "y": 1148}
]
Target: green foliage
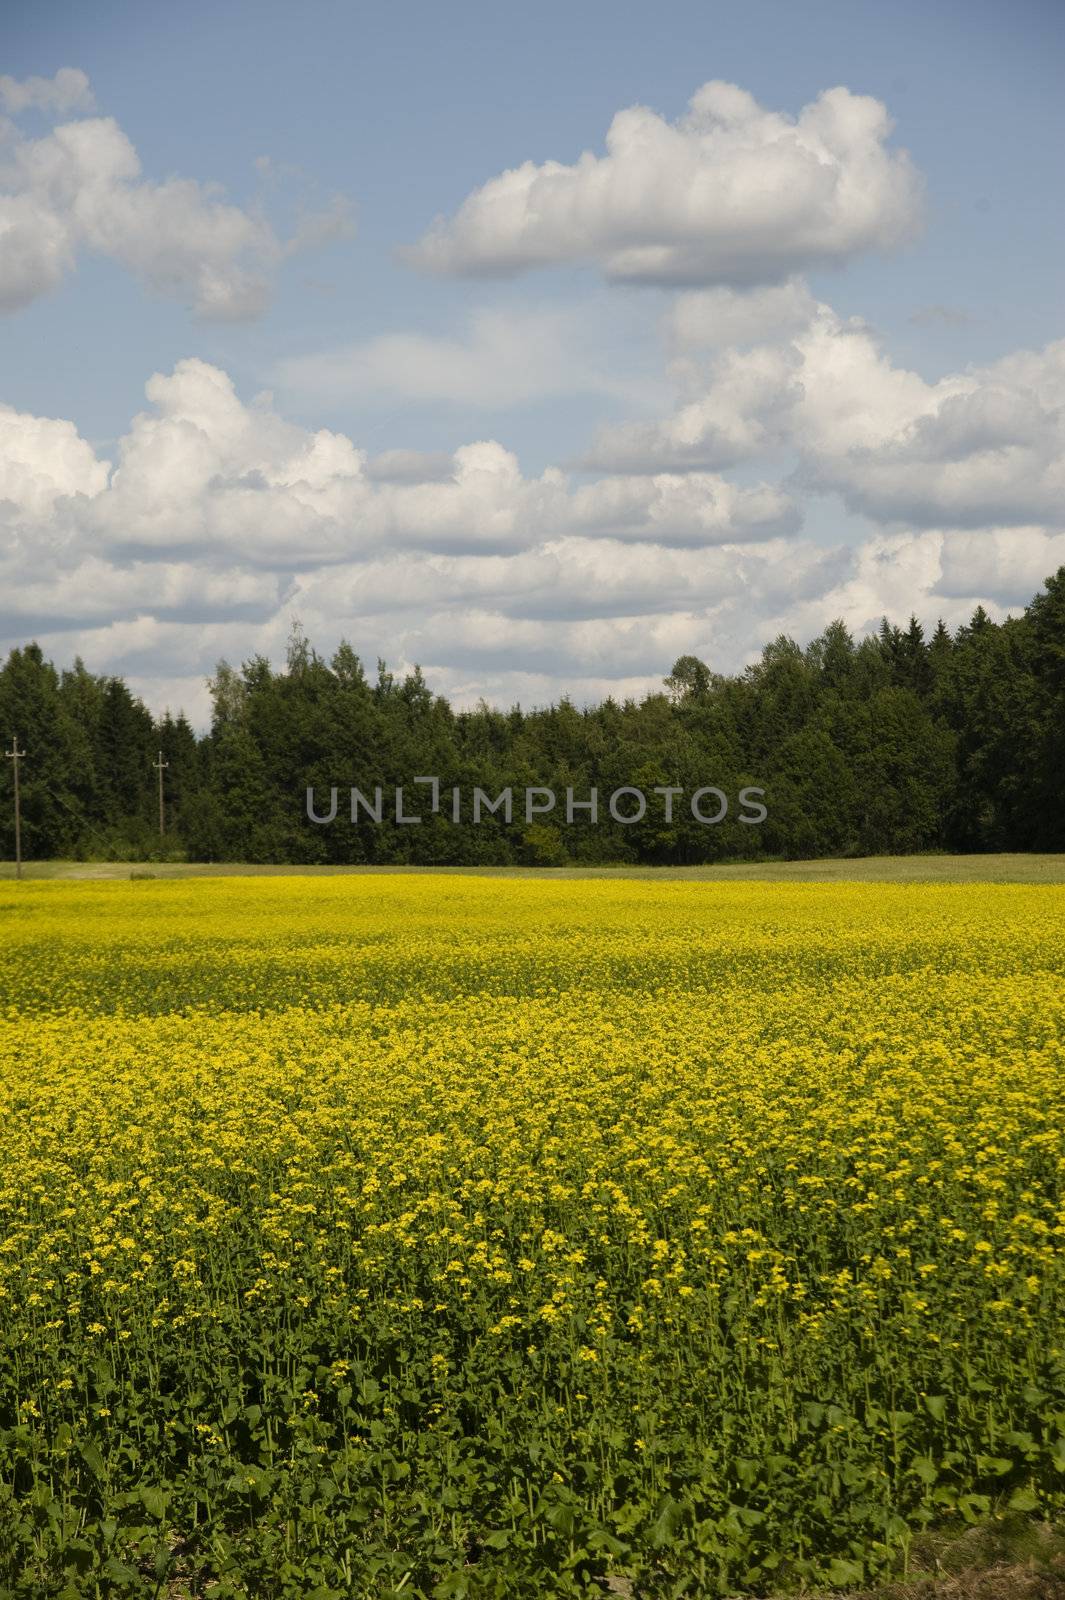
[{"x": 895, "y": 745}]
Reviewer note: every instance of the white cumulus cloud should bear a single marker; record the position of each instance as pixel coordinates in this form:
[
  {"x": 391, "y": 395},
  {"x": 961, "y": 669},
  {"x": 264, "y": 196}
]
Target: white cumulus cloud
[
  {"x": 42, "y": 461},
  {"x": 983, "y": 447},
  {"x": 80, "y": 188},
  {"x": 69, "y": 90},
  {"x": 203, "y": 470},
  {"x": 730, "y": 194}
]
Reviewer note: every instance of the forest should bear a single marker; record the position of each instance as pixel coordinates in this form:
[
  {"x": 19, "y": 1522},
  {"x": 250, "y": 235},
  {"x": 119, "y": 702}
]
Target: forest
[{"x": 896, "y": 743}]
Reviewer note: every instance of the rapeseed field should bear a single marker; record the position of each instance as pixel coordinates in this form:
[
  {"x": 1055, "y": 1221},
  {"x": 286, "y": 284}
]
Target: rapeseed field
[{"x": 466, "y": 1237}]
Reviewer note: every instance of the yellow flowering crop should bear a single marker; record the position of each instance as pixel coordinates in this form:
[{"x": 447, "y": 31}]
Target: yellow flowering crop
[{"x": 445, "y": 1236}]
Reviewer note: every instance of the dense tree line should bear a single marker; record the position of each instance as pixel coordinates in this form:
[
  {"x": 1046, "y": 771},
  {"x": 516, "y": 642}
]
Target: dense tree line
[{"x": 893, "y": 744}]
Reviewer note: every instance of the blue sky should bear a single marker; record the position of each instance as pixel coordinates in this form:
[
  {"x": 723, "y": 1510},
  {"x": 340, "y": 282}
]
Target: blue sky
[{"x": 404, "y": 111}]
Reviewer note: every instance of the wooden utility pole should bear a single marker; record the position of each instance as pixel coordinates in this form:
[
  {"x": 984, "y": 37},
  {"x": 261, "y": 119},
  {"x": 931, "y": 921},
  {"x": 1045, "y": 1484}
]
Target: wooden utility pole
[
  {"x": 15, "y": 755},
  {"x": 160, "y": 766}
]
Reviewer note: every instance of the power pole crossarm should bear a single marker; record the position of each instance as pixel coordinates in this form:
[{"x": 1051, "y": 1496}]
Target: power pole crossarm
[
  {"x": 15, "y": 755},
  {"x": 160, "y": 766}
]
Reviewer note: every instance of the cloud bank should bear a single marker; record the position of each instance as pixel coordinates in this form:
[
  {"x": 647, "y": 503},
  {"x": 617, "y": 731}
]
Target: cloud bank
[{"x": 218, "y": 519}]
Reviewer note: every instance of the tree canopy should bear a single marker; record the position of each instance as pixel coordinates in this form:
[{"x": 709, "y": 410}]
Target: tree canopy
[{"x": 892, "y": 744}]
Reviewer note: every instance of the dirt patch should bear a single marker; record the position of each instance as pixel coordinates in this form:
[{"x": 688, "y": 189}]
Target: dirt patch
[
  {"x": 1014, "y": 1559},
  {"x": 1001, "y": 1582}
]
